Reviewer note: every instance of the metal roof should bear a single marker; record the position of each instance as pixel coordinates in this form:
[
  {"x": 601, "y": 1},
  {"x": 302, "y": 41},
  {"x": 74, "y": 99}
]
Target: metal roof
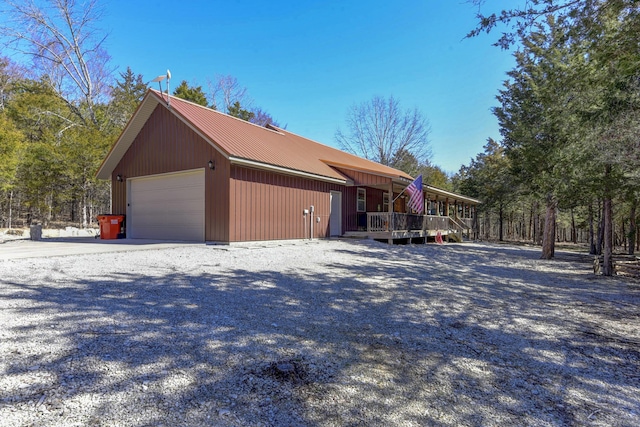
[
  {"x": 240, "y": 140},
  {"x": 245, "y": 143}
]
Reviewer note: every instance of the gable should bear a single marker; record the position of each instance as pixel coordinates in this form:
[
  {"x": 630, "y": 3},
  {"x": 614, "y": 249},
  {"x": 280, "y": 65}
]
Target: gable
[{"x": 165, "y": 144}]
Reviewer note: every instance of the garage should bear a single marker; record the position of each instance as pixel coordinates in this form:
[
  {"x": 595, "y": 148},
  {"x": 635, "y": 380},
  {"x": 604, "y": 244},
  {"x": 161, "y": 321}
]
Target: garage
[{"x": 167, "y": 207}]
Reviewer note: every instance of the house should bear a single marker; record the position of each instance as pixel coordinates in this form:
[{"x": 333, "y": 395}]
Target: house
[{"x": 180, "y": 171}]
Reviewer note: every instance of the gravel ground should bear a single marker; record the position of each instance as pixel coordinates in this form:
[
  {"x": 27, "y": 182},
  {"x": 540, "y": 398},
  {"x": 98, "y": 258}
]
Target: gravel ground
[{"x": 323, "y": 333}]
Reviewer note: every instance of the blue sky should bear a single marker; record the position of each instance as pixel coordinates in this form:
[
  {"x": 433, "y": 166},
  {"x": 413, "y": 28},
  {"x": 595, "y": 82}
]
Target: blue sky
[{"x": 307, "y": 62}]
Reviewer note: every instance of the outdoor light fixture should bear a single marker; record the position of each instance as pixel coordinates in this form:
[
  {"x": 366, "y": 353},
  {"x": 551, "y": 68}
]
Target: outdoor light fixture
[
  {"x": 212, "y": 165},
  {"x": 119, "y": 178}
]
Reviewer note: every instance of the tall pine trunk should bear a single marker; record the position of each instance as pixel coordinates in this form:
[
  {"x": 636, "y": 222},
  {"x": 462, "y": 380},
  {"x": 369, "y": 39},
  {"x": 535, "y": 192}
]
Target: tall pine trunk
[
  {"x": 607, "y": 265},
  {"x": 548, "y": 237},
  {"x": 501, "y": 223},
  {"x": 574, "y": 232},
  {"x": 523, "y": 232},
  {"x": 600, "y": 243},
  {"x": 632, "y": 226},
  {"x": 536, "y": 224},
  {"x": 10, "y": 207},
  {"x": 592, "y": 241}
]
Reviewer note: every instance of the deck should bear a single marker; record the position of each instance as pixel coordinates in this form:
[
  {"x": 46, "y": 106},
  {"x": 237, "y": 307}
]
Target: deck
[{"x": 400, "y": 226}]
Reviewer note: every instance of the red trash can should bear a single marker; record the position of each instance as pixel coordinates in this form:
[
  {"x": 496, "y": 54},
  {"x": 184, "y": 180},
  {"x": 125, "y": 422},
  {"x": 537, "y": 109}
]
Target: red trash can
[{"x": 110, "y": 226}]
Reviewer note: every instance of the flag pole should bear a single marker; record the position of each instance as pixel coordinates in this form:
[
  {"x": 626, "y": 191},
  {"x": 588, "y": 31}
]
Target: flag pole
[
  {"x": 399, "y": 194},
  {"x": 405, "y": 188},
  {"x": 416, "y": 195}
]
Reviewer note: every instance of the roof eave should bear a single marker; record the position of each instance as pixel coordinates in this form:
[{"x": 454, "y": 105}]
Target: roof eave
[
  {"x": 398, "y": 177},
  {"x": 441, "y": 192},
  {"x": 267, "y": 166}
]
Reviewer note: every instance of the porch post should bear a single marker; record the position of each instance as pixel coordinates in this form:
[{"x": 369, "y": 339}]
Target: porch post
[
  {"x": 446, "y": 207},
  {"x": 390, "y": 213}
]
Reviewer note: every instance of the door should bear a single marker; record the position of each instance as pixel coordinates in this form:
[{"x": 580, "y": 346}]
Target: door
[
  {"x": 167, "y": 207},
  {"x": 335, "y": 217}
]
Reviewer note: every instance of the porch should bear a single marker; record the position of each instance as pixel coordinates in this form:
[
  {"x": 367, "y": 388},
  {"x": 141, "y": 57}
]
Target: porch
[{"x": 392, "y": 226}]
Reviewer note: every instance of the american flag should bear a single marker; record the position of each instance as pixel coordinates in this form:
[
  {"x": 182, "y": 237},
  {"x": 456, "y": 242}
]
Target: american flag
[{"x": 416, "y": 198}]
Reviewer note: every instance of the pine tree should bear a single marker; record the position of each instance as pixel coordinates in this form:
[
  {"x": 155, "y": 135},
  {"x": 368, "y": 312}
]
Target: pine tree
[{"x": 189, "y": 93}]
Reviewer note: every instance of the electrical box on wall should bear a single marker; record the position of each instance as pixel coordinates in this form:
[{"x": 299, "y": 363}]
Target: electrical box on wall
[{"x": 305, "y": 212}]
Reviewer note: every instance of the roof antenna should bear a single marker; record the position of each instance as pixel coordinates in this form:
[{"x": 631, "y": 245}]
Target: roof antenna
[
  {"x": 168, "y": 96},
  {"x": 161, "y": 78}
]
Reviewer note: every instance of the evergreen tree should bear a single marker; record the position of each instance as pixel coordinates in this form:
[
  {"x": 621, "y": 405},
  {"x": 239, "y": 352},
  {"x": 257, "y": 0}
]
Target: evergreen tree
[
  {"x": 536, "y": 118},
  {"x": 489, "y": 179},
  {"x": 11, "y": 151},
  {"x": 189, "y": 93},
  {"x": 570, "y": 113},
  {"x": 126, "y": 95},
  {"x": 236, "y": 110}
]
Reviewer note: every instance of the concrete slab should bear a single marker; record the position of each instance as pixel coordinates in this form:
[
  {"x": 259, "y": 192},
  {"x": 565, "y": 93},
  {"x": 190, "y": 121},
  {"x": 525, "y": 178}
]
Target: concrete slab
[{"x": 20, "y": 249}]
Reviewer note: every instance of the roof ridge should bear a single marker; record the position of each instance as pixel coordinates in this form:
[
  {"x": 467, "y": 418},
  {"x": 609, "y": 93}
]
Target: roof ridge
[{"x": 161, "y": 95}]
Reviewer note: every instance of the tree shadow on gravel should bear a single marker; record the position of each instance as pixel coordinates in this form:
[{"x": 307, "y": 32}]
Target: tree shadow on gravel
[{"x": 411, "y": 335}]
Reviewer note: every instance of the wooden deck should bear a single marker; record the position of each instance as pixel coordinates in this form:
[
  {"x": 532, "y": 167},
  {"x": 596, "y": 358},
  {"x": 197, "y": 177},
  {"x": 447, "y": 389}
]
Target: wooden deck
[{"x": 400, "y": 226}]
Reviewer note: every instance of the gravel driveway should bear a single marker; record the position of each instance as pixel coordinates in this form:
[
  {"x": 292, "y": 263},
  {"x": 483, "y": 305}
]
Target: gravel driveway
[{"x": 323, "y": 333}]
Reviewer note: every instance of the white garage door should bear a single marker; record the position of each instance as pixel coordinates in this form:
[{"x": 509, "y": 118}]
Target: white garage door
[{"x": 167, "y": 207}]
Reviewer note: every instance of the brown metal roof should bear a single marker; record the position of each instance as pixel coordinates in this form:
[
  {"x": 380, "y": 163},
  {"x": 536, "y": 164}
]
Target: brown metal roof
[
  {"x": 240, "y": 141},
  {"x": 274, "y": 146}
]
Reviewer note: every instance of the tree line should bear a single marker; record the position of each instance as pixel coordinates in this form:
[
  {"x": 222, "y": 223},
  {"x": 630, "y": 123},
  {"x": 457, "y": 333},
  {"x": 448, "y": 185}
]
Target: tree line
[
  {"x": 62, "y": 106},
  {"x": 568, "y": 164}
]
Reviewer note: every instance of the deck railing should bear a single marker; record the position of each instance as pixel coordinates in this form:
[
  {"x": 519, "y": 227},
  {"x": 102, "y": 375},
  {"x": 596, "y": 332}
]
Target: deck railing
[
  {"x": 468, "y": 222},
  {"x": 385, "y": 221},
  {"x": 379, "y": 221},
  {"x": 435, "y": 222}
]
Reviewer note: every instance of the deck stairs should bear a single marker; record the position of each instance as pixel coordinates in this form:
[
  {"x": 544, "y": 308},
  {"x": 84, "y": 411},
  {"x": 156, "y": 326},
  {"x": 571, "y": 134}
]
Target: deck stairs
[{"x": 456, "y": 229}]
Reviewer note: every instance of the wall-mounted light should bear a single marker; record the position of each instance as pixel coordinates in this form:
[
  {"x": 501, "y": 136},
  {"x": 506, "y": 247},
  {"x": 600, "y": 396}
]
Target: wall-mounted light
[
  {"x": 212, "y": 165},
  {"x": 119, "y": 178}
]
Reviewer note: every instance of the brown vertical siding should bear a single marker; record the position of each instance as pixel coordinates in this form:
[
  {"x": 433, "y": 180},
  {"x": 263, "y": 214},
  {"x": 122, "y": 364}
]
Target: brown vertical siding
[
  {"x": 374, "y": 200},
  {"x": 268, "y": 206},
  {"x": 165, "y": 144},
  {"x": 349, "y": 207}
]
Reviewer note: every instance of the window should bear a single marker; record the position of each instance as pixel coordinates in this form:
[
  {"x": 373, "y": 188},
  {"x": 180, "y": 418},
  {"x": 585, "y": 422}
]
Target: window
[
  {"x": 362, "y": 200},
  {"x": 385, "y": 202}
]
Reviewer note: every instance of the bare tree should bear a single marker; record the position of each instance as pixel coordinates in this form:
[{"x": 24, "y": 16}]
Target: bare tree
[
  {"x": 225, "y": 91},
  {"x": 66, "y": 47},
  {"x": 10, "y": 73},
  {"x": 262, "y": 118},
  {"x": 226, "y": 95},
  {"x": 379, "y": 130}
]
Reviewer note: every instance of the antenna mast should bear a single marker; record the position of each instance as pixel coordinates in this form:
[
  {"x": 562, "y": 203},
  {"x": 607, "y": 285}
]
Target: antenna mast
[
  {"x": 168, "y": 96},
  {"x": 161, "y": 78}
]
